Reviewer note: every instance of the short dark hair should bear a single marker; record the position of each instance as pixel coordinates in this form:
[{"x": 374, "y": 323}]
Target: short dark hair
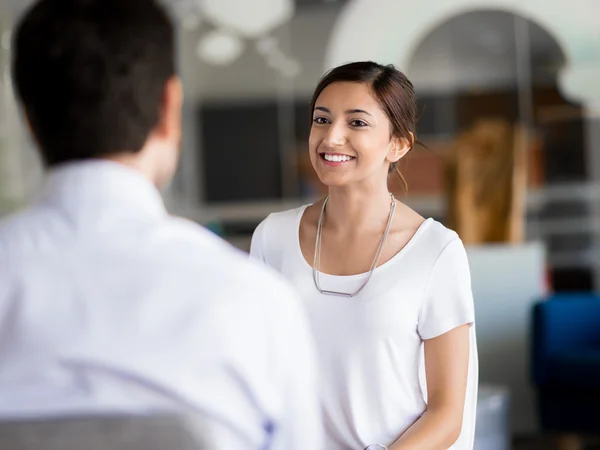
[
  {"x": 91, "y": 74},
  {"x": 391, "y": 88}
]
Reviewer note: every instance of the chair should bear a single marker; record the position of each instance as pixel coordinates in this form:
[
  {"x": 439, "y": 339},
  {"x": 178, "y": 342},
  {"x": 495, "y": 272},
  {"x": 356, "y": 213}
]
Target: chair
[
  {"x": 566, "y": 363},
  {"x": 102, "y": 433}
]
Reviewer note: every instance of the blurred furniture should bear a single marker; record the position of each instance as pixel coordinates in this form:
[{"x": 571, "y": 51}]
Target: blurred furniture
[
  {"x": 487, "y": 178},
  {"x": 101, "y": 433},
  {"x": 566, "y": 364},
  {"x": 492, "y": 430}
]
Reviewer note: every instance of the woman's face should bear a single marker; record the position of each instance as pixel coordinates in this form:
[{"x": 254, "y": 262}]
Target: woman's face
[{"x": 350, "y": 138}]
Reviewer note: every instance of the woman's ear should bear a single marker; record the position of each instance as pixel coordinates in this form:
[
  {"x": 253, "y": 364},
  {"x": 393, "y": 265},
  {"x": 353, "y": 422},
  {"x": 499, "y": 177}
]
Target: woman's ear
[{"x": 398, "y": 148}]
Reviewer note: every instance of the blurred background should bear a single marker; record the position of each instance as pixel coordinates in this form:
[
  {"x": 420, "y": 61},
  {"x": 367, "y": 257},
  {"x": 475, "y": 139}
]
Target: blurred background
[{"x": 509, "y": 95}]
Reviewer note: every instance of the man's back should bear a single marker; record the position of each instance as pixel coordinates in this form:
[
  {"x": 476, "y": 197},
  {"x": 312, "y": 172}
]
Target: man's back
[{"x": 107, "y": 304}]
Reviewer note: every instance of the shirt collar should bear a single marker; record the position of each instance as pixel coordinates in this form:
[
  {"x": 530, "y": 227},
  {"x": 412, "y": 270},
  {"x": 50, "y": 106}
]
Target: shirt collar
[{"x": 104, "y": 185}]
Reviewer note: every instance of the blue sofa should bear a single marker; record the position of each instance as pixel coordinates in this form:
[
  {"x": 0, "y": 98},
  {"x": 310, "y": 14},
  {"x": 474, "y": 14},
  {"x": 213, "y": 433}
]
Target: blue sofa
[{"x": 566, "y": 362}]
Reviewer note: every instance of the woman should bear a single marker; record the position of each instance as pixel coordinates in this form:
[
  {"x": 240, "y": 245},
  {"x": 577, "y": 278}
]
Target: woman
[{"x": 388, "y": 292}]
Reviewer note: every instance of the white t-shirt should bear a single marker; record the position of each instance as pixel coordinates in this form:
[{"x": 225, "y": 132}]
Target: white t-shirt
[{"x": 371, "y": 346}]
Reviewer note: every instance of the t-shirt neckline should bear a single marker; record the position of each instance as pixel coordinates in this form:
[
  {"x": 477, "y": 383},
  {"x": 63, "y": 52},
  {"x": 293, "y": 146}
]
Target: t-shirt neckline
[{"x": 411, "y": 242}]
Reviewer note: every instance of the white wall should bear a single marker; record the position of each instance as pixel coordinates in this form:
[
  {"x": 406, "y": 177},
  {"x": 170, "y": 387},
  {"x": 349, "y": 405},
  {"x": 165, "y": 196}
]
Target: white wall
[
  {"x": 475, "y": 51},
  {"x": 507, "y": 281}
]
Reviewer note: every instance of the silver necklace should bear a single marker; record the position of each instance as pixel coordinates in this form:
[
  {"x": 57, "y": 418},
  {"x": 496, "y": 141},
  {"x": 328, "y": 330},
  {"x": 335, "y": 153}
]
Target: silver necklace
[{"x": 317, "y": 256}]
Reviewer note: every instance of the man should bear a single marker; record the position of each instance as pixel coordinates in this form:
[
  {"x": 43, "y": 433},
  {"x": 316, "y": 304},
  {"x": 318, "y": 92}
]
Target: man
[{"x": 108, "y": 304}]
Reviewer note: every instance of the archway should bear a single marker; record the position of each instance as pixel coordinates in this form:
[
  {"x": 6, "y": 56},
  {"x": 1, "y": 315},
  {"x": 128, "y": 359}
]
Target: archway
[{"x": 389, "y": 31}]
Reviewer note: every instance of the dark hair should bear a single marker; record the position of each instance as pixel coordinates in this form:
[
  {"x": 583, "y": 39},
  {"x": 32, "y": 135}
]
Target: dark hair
[
  {"x": 91, "y": 74},
  {"x": 391, "y": 88}
]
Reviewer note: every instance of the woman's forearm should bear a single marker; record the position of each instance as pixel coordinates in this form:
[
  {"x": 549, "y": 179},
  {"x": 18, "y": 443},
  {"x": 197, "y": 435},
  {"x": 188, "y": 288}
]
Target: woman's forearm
[{"x": 435, "y": 430}]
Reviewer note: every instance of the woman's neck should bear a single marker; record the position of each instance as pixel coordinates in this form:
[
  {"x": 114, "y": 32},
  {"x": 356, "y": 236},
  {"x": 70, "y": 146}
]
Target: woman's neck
[{"x": 356, "y": 210}]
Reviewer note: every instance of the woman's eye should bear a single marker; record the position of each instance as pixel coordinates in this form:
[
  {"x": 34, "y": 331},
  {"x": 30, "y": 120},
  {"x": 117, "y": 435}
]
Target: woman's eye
[
  {"x": 320, "y": 120},
  {"x": 358, "y": 123}
]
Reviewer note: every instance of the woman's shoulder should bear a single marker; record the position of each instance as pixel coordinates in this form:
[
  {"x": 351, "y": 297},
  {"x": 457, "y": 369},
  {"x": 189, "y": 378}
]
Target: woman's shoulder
[
  {"x": 278, "y": 228},
  {"x": 439, "y": 235},
  {"x": 435, "y": 239},
  {"x": 429, "y": 232},
  {"x": 282, "y": 221},
  {"x": 276, "y": 232}
]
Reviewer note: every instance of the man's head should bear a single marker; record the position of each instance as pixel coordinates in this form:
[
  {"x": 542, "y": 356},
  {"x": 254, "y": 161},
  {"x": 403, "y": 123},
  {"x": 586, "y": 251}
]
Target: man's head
[{"x": 97, "y": 79}]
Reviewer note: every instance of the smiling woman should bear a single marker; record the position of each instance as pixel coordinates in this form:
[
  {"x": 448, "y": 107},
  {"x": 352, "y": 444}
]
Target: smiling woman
[
  {"x": 388, "y": 292},
  {"x": 380, "y": 99}
]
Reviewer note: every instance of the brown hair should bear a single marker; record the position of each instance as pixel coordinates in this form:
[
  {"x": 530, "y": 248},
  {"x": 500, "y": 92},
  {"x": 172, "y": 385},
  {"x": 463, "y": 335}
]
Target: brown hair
[{"x": 391, "y": 88}]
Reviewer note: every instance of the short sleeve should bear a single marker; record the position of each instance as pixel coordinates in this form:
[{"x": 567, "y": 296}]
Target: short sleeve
[
  {"x": 257, "y": 246},
  {"x": 448, "y": 300}
]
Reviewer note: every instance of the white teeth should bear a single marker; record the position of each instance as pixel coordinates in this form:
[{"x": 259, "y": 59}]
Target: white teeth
[{"x": 337, "y": 158}]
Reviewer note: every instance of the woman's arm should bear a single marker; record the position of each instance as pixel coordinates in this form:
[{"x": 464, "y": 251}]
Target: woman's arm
[{"x": 446, "y": 367}]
